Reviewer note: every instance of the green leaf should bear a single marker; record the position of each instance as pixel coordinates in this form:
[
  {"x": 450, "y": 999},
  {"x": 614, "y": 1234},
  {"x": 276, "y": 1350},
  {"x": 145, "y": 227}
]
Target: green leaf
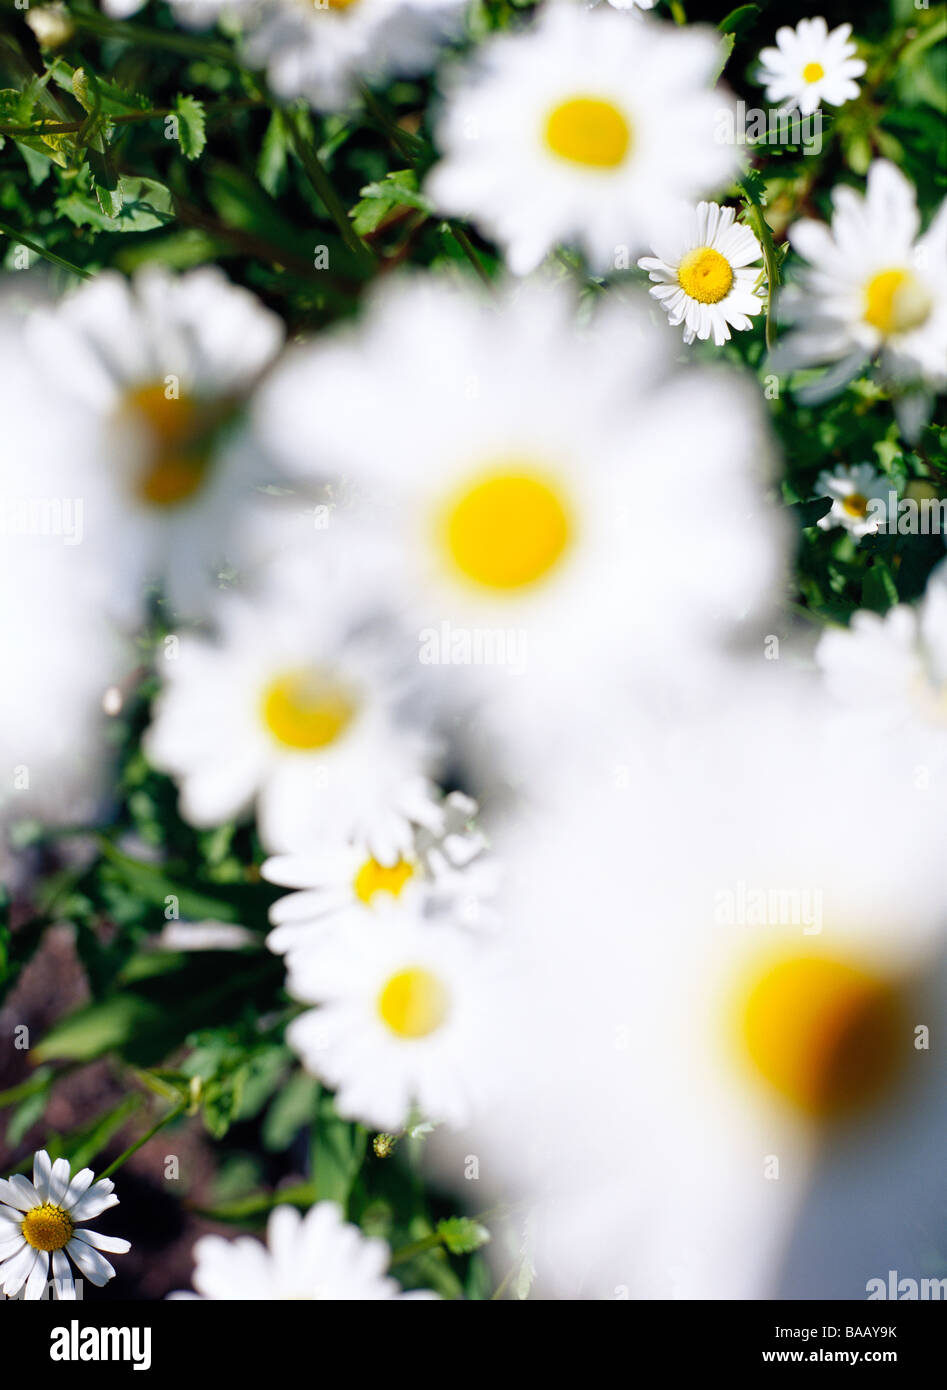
[
  {"x": 293, "y": 1108},
  {"x": 379, "y": 200},
  {"x": 808, "y": 513},
  {"x": 743, "y": 17},
  {"x": 462, "y": 1235},
  {"x": 879, "y": 591},
  {"x": 338, "y": 1148},
  {"x": 192, "y": 135},
  {"x": 727, "y": 45},
  {"x": 274, "y": 155}
]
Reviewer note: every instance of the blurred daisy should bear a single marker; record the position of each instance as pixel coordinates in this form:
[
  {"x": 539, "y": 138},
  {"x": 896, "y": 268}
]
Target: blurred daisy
[
  {"x": 318, "y": 1256},
  {"x": 703, "y": 277},
  {"x": 583, "y": 129},
  {"x": 300, "y": 710},
  {"x": 321, "y": 51},
  {"x": 810, "y": 65},
  {"x": 892, "y": 668},
  {"x": 515, "y": 507},
  {"x": 873, "y": 289},
  {"x": 42, "y": 1221},
  {"x": 338, "y": 888},
  {"x": 158, "y": 368},
  {"x": 859, "y": 499},
  {"x": 401, "y": 1012}
]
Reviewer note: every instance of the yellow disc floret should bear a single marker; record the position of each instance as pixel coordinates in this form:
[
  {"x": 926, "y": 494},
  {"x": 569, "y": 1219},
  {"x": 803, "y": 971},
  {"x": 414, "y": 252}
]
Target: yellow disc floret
[
  {"x": 705, "y": 275},
  {"x": 373, "y": 878},
  {"x": 896, "y": 302},
  {"x": 824, "y": 1034},
  {"x": 47, "y": 1227},
  {"x": 586, "y": 130},
  {"x": 507, "y": 530},
  {"x": 813, "y": 72},
  {"x": 174, "y": 429},
  {"x": 306, "y": 710},
  {"x": 413, "y": 1003}
]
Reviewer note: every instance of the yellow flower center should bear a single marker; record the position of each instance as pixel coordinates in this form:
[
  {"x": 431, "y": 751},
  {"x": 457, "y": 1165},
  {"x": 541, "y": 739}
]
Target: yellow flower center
[
  {"x": 176, "y": 429},
  {"x": 856, "y": 504},
  {"x": 47, "y": 1227},
  {"x": 413, "y": 1003},
  {"x": 506, "y": 530},
  {"x": 588, "y": 131},
  {"x": 373, "y": 878},
  {"x": 827, "y": 1036},
  {"x": 813, "y": 72},
  {"x": 705, "y": 275},
  {"x": 896, "y": 302},
  {"x": 306, "y": 710}
]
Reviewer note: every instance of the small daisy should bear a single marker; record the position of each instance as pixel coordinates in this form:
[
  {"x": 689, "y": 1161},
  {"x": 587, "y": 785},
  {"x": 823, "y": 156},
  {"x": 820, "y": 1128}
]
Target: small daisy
[
  {"x": 318, "y": 1256},
  {"x": 43, "y": 1220},
  {"x": 859, "y": 499},
  {"x": 873, "y": 289},
  {"x": 322, "y": 51},
  {"x": 299, "y": 708},
  {"x": 583, "y": 129},
  {"x": 703, "y": 277},
  {"x": 400, "y": 1018},
  {"x": 810, "y": 66},
  {"x": 339, "y": 888},
  {"x": 156, "y": 370}
]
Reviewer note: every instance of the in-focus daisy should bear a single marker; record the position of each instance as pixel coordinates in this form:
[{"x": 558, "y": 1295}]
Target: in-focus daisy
[
  {"x": 583, "y": 129},
  {"x": 810, "y": 65},
  {"x": 873, "y": 289},
  {"x": 401, "y": 1017},
  {"x": 41, "y": 1222},
  {"x": 157, "y": 369},
  {"x": 323, "y": 50},
  {"x": 300, "y": 708},
  {"x": 313, "y": 1257},
  {"x": 337, "y": 888},
  {"x": 859, "y": 498},
  {"x": 706, "y": 276}
]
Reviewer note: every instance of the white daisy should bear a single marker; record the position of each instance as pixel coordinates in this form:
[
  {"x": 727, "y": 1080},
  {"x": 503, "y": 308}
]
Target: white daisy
[
  {"x": 744, "y": 993},
  {"x": 859, "y": 499},
  {"x": 338, "y": 888},
  {"x": 583, "y": 129},
  {"x": 401, "y": 1017},
  {"x": 873, "y": 289},
  {"x": 516, "y": 503},
  {"x": 323, "y": 50},
  {"x": 703, "y": 275},
  {"x": 299, "y": 707},
  {"x": 810, "y": 65},
  {"x": 43, "y": 1221},
  {"x": 892, "y": 668},
  {"x": 318, "y": 1256},
  {"x": 156, "y": 369}
]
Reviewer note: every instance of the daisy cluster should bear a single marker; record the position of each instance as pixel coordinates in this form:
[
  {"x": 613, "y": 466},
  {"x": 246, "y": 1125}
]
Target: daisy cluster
[{"x": 452, "y": 689}]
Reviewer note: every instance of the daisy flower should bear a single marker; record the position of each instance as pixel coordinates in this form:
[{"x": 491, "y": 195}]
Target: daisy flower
[
  {"x": 400, "y": 1018},
  {"x": 810, "y": 65},
  {"x": 892, "y": 667},
  {"x": 514, "y": 506},
  {"x": 582, "y": 129},
  {"x": 156, "y": 370},
  {"x": 43, "y": 1221},
  {"x": 872, "y": 289},
  {"x": 299, "y": 708},
  {"x": 318, "y": 1256},
  {"x": 321, "y": 51},
  {"x": 341, "y": 887},
  {"x": 703, "y": 275},
  {"x": 859, "y": 498}
]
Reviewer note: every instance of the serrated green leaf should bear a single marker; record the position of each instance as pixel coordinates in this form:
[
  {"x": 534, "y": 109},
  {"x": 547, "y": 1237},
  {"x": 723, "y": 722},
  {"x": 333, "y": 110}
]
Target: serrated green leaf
[
  {"x": 462, "y": 1235},
  {"x": 192, "y": 132}
]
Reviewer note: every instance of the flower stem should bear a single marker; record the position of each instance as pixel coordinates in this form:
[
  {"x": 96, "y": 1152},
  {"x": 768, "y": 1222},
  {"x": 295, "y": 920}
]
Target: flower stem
[
  {"x": 321, "y": 182},
  {"x": 172, "y": 1114}
]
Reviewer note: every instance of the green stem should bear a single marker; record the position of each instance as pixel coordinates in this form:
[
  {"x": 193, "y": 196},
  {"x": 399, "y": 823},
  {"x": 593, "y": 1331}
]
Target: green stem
[
  {"x": 40, "y": 128},
  {"x": 770, "y": 261},
  {"x": 172, "y": 1114},
  {"x": 417, "y": 1247},
  {"x": 677, "y": 12},
  {"x": 192, "y": 47},
  {"x": 467, "y": 246},
  {"x": 321, "y": 182},
  {"x": 31, "y": 245}
]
